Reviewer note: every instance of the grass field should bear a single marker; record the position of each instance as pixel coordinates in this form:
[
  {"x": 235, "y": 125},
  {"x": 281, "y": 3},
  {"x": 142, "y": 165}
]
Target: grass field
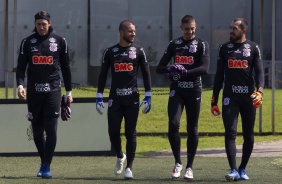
[{"x": 89, "y": 170}]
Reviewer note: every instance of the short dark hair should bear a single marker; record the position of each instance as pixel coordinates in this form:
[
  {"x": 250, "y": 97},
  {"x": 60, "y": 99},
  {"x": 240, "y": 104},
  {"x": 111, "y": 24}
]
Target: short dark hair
[
  {"x": 187, "y": 19},
  {"x": 43, "y": 15},
  {"x": 123, "y": 25},
  {"x": 244, "y": 23}
]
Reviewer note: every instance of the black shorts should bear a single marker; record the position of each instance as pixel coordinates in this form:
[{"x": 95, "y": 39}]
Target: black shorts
[{"x": 43, "y": 105}]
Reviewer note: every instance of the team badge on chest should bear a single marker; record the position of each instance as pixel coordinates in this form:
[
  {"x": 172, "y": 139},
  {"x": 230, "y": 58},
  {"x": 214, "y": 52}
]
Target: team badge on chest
[
  {"x": 193, "y": 48},
  {"x": 132, "y": 54},
  {"x": 53, "y": 47},
  {"x": 246, "y": 50}
]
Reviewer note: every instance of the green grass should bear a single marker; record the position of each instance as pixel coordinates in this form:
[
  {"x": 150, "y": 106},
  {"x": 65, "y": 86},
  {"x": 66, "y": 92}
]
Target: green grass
[
  {"x": 86, "y": 170},
  {"x": 148, "y": 145},
  {"x": 278, "y": 161}
]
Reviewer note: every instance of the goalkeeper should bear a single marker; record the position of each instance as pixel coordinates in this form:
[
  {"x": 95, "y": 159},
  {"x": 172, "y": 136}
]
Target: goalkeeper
[
  {"x": 240, "y": 71},
  {"x": 123, "y": 60},
  {"x": 45, "y": 56},
  {"x": 191, "y": 60}
]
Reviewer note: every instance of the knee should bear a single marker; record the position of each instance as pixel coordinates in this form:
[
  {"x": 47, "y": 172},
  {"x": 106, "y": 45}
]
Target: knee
[
  {"x": 114, "y": 134},
  {"x": 249, "y": 139},
  {"x": 130, "y": 135},
  {"x": 173, "y": 126},
  {"x": 230, "y": 135}
]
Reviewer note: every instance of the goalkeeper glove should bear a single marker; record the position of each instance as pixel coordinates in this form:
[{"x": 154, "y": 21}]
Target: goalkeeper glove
[
  {"x": 257, "y": 99},
  {"x": 99, "y": 103},
  {"x": 175, "y": 72},
  {"x": 146, "y": 102},
  {"x": 65, "y": 109},
  {"x": 214, "y": 108}
]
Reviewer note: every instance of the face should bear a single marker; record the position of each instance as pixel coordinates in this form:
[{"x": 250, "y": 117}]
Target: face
[
  {"x": 42, "y": 26},
  {"x": 128, "y": 34},
  {"x": 188, "y": 30},
  {"x": 236, "y": 33}
]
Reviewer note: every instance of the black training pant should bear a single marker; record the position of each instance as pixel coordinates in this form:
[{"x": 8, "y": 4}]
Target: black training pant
[
  {"x": 43, "y": 112},
  {"x": 232, "y": 105},
  {"x": 127, "y": 108},
  {"x": 191, "y": 100}
]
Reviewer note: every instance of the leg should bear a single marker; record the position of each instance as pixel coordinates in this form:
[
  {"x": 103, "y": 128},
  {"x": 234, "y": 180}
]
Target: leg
[
  {"x": 230, "y": 112},
  {"x": 130, "y": 117},
  {"x": 51, "y": 113},
  {"x": 38, "y": 137},
  {"x": 192, "y": 105},
  {"x": 248, "y": 114},
  {"x": 51, "y": 138},
  {"x": 175, "y": 108},
  {"x": 35, "y": 109},
  {"x": 115, "y": 116}
]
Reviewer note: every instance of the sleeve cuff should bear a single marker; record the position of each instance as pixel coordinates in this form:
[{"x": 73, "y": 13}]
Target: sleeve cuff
[
  {"x": 148, "y": 93},
  {"x": 68, "y": 93},
  {"x": 99, "y": 95}
]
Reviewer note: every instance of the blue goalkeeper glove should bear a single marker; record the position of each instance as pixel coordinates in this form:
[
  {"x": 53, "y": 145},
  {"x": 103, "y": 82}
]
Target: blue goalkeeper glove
[
  {"x": 146, "y": 102},
  {"x": 99, "y": 103}
]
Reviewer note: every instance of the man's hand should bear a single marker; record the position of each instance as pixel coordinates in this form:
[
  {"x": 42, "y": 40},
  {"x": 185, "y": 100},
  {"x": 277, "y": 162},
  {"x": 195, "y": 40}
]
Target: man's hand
[
  {"x": 147, "y": 104},
  {"x": 177, "y": 68},
  {"x": 257, "y": 99},
  {"x": 215, "y": 110},
  {"x": 173, "y": 77},
  {"x": 99, "y": 103},
  {"x": 21, "y": 93},
  {"x": 65, "y": 108},
  {"x": 175, "y": 72}
]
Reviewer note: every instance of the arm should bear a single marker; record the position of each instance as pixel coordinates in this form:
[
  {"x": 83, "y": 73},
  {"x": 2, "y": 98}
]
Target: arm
[
  {"x": 205, "y": 59},
  {"x": 259, "y": 77},
  {"x": 258, "y": 67},
  {"x": 103, "y": 72},
  {"x": 65, "y": 68},
  {"x": 22, "y": 63},
  {"x": 106, "y": 63},
  {"x": 144, "y": 65},
  {"x": 21, "y": 68},
  {"x": 168, "y": 54},
  {"x": 219, "y": 78}
]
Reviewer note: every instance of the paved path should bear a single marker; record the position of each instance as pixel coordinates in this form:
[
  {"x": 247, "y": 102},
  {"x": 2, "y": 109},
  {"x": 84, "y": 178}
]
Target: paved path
[{"x": 264, "y": 149}]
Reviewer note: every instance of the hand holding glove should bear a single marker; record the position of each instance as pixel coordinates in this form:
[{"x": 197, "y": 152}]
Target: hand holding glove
[
  {"x": 257, "y": 99},
  {"x": 21, "y": 92},
  {"x": 175, "y": 72},
  {"x": 65, "y": 109},
  {"x": 173, "y": 77},
  {"x": 214, "y": 108},
  {"x": 99, "y": 103},
  {"x": 146, "y": 102}
]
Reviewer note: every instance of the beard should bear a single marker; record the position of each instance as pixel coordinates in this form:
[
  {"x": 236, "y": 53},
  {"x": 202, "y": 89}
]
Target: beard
[
  {"x": 128, "y": 40},
  {"x": 235, "y": 38}
]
